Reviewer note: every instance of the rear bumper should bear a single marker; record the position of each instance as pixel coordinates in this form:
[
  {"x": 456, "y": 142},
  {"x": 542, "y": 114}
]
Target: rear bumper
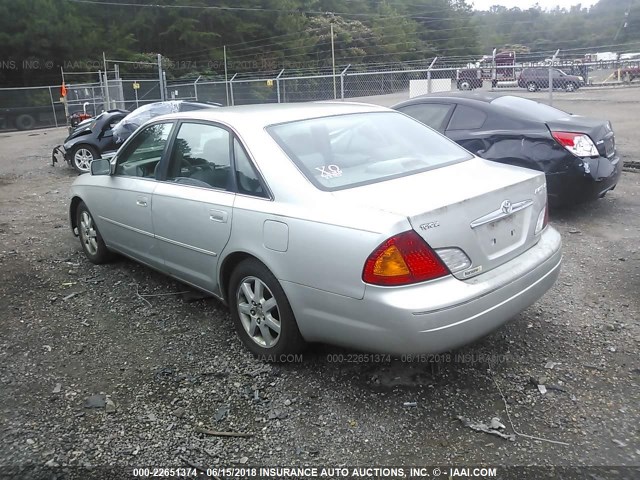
[
  {"x": 585, "y": 180},
  {"x": 431, "y": 317}
]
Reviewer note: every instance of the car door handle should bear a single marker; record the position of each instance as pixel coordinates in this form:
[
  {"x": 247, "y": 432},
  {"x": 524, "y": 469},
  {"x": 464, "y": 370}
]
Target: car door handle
[
  {"x": 218, "y": 216},
  {"x": 142, "y": 201}
]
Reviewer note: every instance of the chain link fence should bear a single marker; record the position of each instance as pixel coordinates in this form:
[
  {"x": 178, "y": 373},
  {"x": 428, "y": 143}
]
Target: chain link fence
[{"x": 32, "y": 107}]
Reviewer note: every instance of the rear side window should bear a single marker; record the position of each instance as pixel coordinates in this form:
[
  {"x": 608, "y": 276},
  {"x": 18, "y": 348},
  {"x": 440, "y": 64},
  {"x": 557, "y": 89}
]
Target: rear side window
[
  {"x": 247, "y": 178},
  {"x": 466, "y": 118},
  {"x": 346, "y": 151},
  {"x": 431, "y": 114}
]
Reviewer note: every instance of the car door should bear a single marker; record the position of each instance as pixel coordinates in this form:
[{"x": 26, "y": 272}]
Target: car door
[
  {"x": 124, "y": 206},
  {"x": 193, "y": 204},
  {"x": 433, "y": 114},
  {"x": 465, "y": 128},
  {"x": 542, "y": 77}
]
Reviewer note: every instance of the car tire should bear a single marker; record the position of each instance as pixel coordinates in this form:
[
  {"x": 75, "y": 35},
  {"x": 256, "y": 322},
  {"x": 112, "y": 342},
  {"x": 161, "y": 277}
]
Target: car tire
[
  {"x": 25, "y": 122},
  {"x": 570, "y": 87},
  {"x": 532, "y": 86},
  {"x": 464, "y": 85},
  {"x": 261, "y": 313},
  {"x": 92, "y": 243},
  {"x": 82, "y": 156}
]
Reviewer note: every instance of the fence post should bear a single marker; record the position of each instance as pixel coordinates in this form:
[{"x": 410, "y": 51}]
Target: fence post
[
  {"x": 343, "y": 74},
  {"x": 550, "y": 85},
  {"x": 160, "y": 77},
  {"x": 278, "y": 83},
  {"x": 233, "y": 102},
  {"x": 195, "y": 87},
  {"x": 53, "y": 107},
  {"x": 429, "y": 87},
  {"x": 164, "y": 85},
  {"x": 553, "y": 59}
]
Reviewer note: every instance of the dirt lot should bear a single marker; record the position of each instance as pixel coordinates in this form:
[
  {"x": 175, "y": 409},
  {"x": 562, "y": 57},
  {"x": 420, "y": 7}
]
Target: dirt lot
[{"x": 70, "y": 330}]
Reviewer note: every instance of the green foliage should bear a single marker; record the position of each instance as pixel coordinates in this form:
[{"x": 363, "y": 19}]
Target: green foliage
[{"x": 273, "y": 34}]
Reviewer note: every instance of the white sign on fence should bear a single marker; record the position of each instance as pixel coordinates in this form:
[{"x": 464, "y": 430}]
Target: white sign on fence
[{"x": 420, "y": 87}]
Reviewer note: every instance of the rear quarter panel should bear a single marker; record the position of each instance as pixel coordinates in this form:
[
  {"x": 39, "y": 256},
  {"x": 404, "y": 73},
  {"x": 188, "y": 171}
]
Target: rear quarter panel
[{"x": 325, "y": 249}]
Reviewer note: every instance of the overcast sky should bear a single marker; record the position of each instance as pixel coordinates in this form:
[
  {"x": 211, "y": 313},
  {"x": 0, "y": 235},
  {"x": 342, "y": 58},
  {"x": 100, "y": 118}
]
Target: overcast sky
[{"x": 524, "y": 4}]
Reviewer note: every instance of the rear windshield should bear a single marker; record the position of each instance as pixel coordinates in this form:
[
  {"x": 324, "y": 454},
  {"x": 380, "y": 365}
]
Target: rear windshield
[
  {"x": 345, "y": 151},
  {"x": 529, "y": 109}
]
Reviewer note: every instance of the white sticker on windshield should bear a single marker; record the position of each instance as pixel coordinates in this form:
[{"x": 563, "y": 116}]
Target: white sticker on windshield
[{"x": 329, "y": 171}]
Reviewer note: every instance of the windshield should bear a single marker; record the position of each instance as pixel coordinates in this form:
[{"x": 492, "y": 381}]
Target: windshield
[
  {"x": 350, "y": 150},
  {"x": 529, "y": 109}
]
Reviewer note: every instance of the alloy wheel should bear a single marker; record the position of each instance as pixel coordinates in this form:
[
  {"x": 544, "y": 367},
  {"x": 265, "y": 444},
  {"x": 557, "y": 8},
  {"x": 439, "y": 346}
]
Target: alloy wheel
[
  {"x": 258, "y": 311},
  {"x": 83, "y": 158},
  {"x": 88, "y": 233}
]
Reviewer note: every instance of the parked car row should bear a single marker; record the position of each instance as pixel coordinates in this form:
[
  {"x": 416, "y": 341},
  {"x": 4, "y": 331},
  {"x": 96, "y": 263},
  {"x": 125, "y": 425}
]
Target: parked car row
[
  {"x": 350, "y": 224},
  {"x": 531, "y": 78}
]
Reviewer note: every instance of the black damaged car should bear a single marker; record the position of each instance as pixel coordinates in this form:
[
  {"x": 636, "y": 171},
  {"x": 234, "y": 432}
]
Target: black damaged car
[
  {"x": 90, "y": 140},
  {"x": 577, "y": 154}
]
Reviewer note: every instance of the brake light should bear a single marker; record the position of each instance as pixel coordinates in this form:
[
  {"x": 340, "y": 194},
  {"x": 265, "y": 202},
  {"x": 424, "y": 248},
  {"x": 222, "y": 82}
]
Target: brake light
[
  {"x": 402, "y": 260},
  {"x": 577, "y": 143}
]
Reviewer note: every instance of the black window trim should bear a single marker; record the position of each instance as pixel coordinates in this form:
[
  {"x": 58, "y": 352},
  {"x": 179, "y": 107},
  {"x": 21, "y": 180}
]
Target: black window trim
[
  {"x": 233, "y": 189},
  {"x": 163, "y": 156}
]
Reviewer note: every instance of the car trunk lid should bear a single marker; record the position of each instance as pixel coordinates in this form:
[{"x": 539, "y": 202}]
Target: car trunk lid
[{"x": 487, "y": 210}]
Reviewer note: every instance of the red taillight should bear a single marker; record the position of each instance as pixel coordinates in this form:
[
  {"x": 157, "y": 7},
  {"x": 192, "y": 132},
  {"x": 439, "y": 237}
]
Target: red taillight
[
  {"x": 580, "y": 144},
  {"x": 564, "y": 138},
  {"x": 401, "y": 260},
  {"x": 545, "y": 222}
]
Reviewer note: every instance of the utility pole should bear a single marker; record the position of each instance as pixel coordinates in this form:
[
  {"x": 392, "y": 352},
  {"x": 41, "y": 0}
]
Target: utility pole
[
  {"x": 333, "y": 61},
  {"x": 226, "y": 75},
  {"x": 625, "y": 21}
]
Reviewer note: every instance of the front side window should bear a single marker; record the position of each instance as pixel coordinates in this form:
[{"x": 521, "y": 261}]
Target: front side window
[
  {"x": 142, "y": 155},
  {"x": 345, "y": 151},
  {"x": 201, "y": 156}
]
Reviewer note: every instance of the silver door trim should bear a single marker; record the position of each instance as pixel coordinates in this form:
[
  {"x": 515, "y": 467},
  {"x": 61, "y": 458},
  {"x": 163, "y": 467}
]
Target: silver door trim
[
  {"x": 184, "y": 245},
  {"x": 128, "y": 227}
]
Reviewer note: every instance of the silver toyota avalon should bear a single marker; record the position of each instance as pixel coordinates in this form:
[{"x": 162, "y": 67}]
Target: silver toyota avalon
[{"x": 341, "y": 223}]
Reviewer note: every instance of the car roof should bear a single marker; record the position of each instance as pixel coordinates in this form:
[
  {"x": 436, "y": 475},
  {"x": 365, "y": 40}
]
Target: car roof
[
  {"x": 486, "y": 97},
  {"x": 263, "y": 115}
]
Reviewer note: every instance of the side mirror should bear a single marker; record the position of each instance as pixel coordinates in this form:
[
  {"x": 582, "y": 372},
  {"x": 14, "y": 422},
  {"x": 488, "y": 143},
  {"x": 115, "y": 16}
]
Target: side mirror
[{"x": 100, "y": 166}]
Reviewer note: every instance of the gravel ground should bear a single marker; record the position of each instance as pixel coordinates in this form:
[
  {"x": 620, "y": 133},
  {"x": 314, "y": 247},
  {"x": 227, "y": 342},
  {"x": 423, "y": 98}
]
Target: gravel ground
[{"x": 157, "y": 370}]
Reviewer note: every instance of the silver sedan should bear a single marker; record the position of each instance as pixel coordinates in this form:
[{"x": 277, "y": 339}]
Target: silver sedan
[{"x": 341, "y": 223}]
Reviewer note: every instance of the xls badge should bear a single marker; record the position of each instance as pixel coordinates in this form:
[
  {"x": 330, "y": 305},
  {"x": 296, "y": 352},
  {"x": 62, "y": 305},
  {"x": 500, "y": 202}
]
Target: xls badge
[{"x": 430, "y": 225}]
